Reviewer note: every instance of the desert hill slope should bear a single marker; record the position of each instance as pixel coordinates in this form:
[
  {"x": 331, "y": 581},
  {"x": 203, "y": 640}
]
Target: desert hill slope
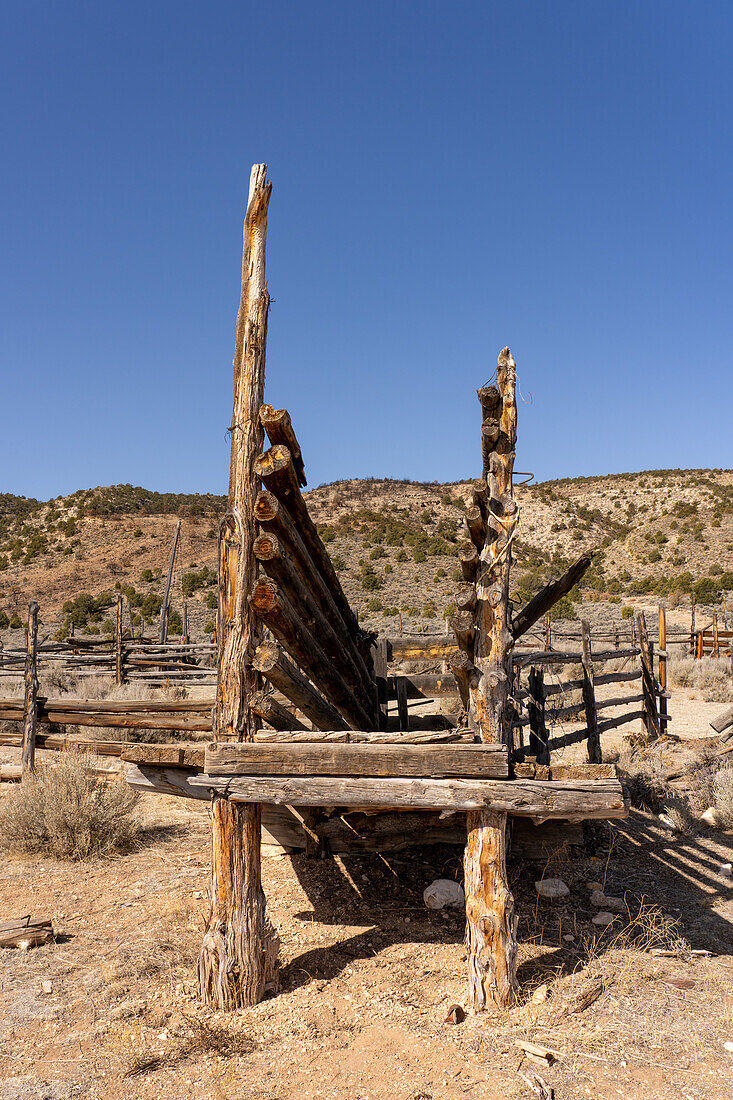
[{"x": 394, "y": 544}]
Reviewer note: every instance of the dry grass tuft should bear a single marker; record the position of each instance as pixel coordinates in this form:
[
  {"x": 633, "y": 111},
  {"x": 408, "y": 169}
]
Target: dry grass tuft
[
  {"x": 199, "y": 1036},
  {"x": 68, "y": 812},
  {"x": 641, "y": 771},
  {"x": 710, "y": 676},
  {"x": 723, "y": 797}
]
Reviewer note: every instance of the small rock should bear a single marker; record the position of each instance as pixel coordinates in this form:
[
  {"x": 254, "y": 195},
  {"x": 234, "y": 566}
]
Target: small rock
[
  {"x": 540, "y": 994},
  {"x": 593, "y": 886},
  {"x": 726, "y": 870},
  {"x": 552, "y": 888},
  {"x": 602, "y": 901},
  {"x": 456, "y": 1015},
  {"x": 197, "y": 894},
  {"x": 603, "y": 918},
  {"x": 47, "y": 986},
  {"x": 710, "y": 817},
  {"x": 444, "y": 893},
  {"x": 124, "y": 1010},
  {"x": 569, "y": 938},
  {"x": 727, "y": 1045}
]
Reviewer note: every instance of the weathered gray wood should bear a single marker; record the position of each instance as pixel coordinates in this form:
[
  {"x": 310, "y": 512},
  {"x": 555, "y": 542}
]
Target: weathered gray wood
[
  {"x": 26, "y": 932},
  {"x": 465, "y": 597},
  {"x": 648, "y": 679},
  {"x": 276, "y": 611},
  {"x": 273, "y": 712},
  {"x": 30, "y": 708},
  {"x": 589, "y": 699},
  {"x": 548, "y": 596},
  {"x": 722, "y": 721},
  {"x": 536, "y": 707},
  {"x": 335, "y": 642},
  {"x": 476, "y": 525},
  {"x": 419, "y": 647},
  {"x": 390, "y": 760},
  {"x": 238, "y": 952},
  {"x": 276, "y": 667},
  {"x": 575, "y": 799},
  {"x": 165, "y": 779},
  {"x": 167, "y": 591},
  {"x": 468, "y": 557}
]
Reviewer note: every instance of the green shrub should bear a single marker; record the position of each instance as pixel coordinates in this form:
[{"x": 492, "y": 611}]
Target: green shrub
[
  {"x": 370, "y": 582},
  {"x": 563, "y": 609},
  {"x": 108, "y": 627},
  {"x": 401, "y": 555},
  {"x": 147, "y": 576},
  {"x": 209, "y": 628},
  {"x": 419, "y": 555},
  {"x": 4, "y": 620},
  {"x": 377, "y": 552},
  {"x": 375, "y": 605},
  {"x": 212, "y": 601},
  {"x": 627, "y": 612},
  {"x": 15, "y": 621},
  {"x": 3, "y": 561},
  {"x": 338, "y": 563},
  {"x": 175, "y": 622}
]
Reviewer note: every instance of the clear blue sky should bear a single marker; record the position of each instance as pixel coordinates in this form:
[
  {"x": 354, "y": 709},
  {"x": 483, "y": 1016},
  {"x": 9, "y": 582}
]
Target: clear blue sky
[{"x": 448, "y": 178}]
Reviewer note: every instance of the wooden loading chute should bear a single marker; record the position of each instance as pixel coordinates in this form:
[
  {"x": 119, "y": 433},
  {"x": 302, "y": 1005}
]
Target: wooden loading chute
[{"x": 275, "y": 575}]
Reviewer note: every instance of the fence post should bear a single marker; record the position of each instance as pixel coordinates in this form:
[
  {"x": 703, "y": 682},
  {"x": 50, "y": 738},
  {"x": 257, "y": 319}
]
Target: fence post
[
  {"x": 30, "y": 701},
  {"x": 184, "y": 634},
  {"x": 663, "y": 720},
  {"x": 648, "y": 682},
  {"x": 699, "y": 645},
  {"x": 693, "y": 641},
  {"x": 548, "y": 632},
  {"x": 716, "y": 640},
  {"x": 589, "y": 698},
  {"x": 119, "y": 673},
  {"x": 538, "y": 736}
]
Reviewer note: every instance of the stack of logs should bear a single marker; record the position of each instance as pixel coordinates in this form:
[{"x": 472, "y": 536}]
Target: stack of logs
[{"x": 300, "y": 600}]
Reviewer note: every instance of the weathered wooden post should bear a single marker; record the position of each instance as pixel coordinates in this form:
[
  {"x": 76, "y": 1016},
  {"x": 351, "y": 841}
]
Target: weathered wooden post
[
  {"x": 693, "y": 645},
  {"x": 491, "y": 923},
  {"x": 663, "y": 720},
  {"x": 163, "y": 635},
  {"x": 119, "y": 673},
  {"x": 539, "y": 736},
  {"x": 648, "y": 682},
  {"x": 548, "y": 632},
  {"x": 238, "y": 954},
  {"x": 716, "y": 639},
  {"x": 30, "y": 705},
  {"x": 589, "y": 698}
]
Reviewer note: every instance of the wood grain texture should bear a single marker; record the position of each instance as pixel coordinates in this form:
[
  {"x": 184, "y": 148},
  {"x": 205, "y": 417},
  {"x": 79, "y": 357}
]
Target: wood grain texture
[
  {"x": 279, "y": 428},
  {"x": 390, "y": 760},
  {"x": 573, "y": 799},
  {"x": 30, "y": 708},
  {"x": 283, "y": 674},
  {"x": 236, "y": 956}
]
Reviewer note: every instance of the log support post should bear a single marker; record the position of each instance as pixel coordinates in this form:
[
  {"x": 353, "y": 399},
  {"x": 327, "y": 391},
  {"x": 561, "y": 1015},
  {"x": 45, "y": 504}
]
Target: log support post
[
  {"x": 30, "y": 701},
  {"x": 716, "y": 638},
  {"x": 119, "y": 665},
  {"x": 663, "y": 719},
  {"x": 648, "y": 680},
  {"x": 491, "y": 924},
  {"x": 589, "y": 698},
  {"x": 539, "y": 736},
  {"x": 239, "y": 949}
]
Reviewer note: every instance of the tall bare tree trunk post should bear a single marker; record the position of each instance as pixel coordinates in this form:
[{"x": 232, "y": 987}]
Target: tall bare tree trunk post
[
  {"x": 491, "y": 924},
  {"x": 30, "y": 706},
  {"x": 165, "y": 607},
  {"x": 239, "y": 950},
  {"x": 118, "y": 642}
]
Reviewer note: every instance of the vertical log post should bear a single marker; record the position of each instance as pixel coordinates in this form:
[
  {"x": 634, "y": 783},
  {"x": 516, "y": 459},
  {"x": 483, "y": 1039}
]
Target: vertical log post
[
  {"x": 239, "y": 949},
  {"x": 119, "y": 672},
  {"x": 548, "y": 632},
  {"x": 648, "y": 681},
  {"x": 184, "y": 628},
  {"x": 539, "y": 736},
  {"x": 699, "y": 644},
  {"x": 491, "y": 923},
  {"x": 589, "y": 698},
  {"x": 30, "y": 705},
  {"x": 663, "y": 722},
  {"x": 693, "y": 646},
  {"x": 716, "y": 639},
  {"x": 165, "y": 607}
]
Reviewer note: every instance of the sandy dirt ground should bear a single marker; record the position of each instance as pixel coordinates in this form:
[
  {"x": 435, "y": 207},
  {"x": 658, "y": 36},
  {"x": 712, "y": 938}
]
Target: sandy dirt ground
[{"x": 369, "y": 974}]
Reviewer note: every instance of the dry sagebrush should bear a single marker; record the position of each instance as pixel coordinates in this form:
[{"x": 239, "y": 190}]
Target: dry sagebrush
[{"x": 67, "y": 811}]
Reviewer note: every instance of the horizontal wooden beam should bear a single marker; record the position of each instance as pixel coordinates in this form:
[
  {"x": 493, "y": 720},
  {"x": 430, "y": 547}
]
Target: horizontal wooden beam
[
  {"x": 571, "y": 799},
  {"x": 297, "y": 758}
]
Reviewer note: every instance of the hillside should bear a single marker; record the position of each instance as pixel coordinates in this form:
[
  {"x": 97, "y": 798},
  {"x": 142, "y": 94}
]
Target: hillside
[{"x": 661, "y": 533}]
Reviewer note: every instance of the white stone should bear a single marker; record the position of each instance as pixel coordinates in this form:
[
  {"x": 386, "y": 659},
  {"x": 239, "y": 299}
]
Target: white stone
[
  {"x": 540, "y": 994},
  {"x": 47, "y": 987},
  {"x": 726, "y": 869},
  {"x": 727, "y": 1045},
  {"x": 603, "y": 918},
  {"x": 552, "y": 888},
  {"x": 444, "y": 893},
  {"x": 710, "y": 817}
]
